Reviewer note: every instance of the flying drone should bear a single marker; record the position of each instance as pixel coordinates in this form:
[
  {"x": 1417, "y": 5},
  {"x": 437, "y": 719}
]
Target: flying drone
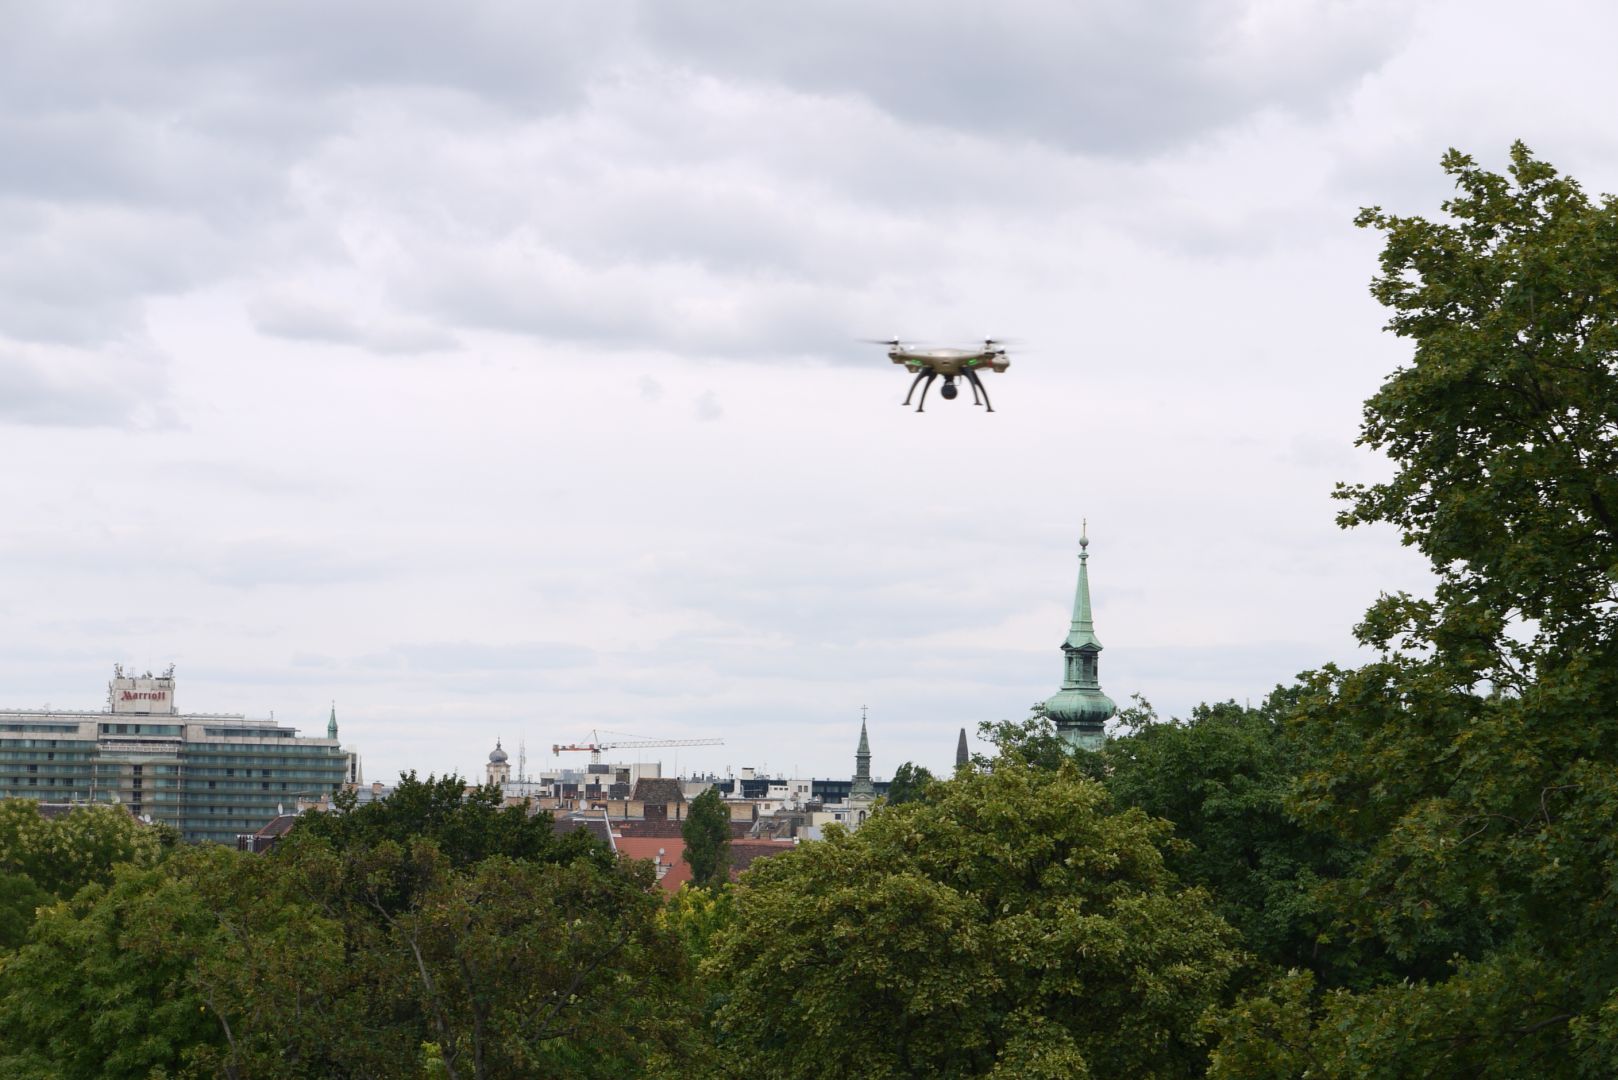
[{"x": 953, "y": 364}]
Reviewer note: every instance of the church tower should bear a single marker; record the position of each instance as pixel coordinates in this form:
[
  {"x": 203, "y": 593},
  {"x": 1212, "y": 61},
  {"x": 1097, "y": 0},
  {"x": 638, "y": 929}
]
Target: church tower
[
  {"x": 1080, "y": 709},
  {"x": 499, "y": 773},
  {"x": 862, "y": 788}
]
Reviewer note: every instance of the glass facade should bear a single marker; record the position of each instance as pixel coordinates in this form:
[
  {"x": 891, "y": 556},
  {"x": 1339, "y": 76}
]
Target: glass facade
[{"x": 210, "y": 776}]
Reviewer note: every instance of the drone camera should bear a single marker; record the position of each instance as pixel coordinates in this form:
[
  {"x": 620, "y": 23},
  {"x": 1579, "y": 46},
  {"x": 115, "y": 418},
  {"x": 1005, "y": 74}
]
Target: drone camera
[{"x": 949, "y": 390}]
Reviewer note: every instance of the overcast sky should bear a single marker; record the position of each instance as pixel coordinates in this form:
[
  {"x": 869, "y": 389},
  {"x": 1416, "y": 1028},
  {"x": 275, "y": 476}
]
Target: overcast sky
[{"x": 490, "y": 367}]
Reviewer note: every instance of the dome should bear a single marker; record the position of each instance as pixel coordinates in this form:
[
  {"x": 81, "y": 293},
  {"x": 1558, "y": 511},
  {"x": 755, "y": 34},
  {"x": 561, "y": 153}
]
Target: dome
[
  {"x": 497, "y": 756},
  {"x": 1072, "y": 706}
]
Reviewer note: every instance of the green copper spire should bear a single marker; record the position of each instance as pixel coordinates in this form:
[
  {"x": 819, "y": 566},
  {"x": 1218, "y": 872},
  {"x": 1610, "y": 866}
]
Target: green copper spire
[
  {"x": 862, "y": 786},
  {"x": 1083, "y": 630},
  {"x": 1080, "y": 709},
  {"x": 331, "y": 725}
]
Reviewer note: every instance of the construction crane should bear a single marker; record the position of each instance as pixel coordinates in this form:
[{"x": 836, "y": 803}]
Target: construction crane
[{"x": 595, "y": 745}]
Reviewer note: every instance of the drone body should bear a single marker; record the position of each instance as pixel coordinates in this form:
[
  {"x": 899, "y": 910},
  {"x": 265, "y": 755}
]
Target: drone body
[{"x": 952, "y": 364}]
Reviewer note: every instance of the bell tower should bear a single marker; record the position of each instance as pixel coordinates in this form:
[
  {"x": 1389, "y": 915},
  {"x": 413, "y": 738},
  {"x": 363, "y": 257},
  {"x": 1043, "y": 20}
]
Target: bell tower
[{"x": 1080, "y": 709}]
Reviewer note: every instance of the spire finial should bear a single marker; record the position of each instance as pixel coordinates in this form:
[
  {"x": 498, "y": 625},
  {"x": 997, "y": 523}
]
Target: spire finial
[{"x": 1084, "y": 535}]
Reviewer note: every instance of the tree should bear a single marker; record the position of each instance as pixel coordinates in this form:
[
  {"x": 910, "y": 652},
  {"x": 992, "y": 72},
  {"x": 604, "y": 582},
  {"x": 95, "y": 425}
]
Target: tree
[
  {"x": 1476, "y": 761},
  {"x": 466, "y": 826},
  {"x": 909, "y": 783},
  {"x": 1013, "y": 924},
  {"x": 1222, "y": 777},
  {"x": 304, "y": 963},
  {"x": 52, "y": 858},
  {"x": 1504, "y": 429},
  {"x": 1032, "y": 740},
  {"x": 706, "y": 830}
]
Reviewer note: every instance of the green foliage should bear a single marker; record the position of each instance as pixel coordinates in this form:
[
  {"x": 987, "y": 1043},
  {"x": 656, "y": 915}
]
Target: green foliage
[
  {"x": 1504, "y": 429},
  {"x": 52, "y": 858},
  {"x": 19, "y": 898},
  {"x": 62, "y": 855},
  {"x": 1032, "y": 740},
  {"x": 1222, "y": 777},
  {"x": 466, "y": 826},
  {"x": 1012, "y": 924},
  {"x": 910, "y": 782},
  {"x": 696, "y": 915},
  {"x": 706, "y": 830},
  {"x": 121, "y": 953},
  {"x": 347, "y": 951},
  {"x": 1476, "y": 763}
]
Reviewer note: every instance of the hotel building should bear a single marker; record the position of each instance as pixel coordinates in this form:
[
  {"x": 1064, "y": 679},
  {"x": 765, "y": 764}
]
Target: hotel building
[{"x": 210, "y": 775}]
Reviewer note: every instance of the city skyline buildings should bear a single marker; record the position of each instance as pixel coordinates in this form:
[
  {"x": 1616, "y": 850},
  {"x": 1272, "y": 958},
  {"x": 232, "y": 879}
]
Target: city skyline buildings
[
  {"x": 1081, "y": 637},
  {"x": 211, "y": 775}
]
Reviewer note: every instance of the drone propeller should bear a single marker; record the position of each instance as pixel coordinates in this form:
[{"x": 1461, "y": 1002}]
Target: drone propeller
[{"x": 880, "y": 341}]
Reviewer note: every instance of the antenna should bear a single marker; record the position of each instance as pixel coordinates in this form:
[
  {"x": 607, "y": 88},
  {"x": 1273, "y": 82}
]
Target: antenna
[{"x": 522, "y": 759}]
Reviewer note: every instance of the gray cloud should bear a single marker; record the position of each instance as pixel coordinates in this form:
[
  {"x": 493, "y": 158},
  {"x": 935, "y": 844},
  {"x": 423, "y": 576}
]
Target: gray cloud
[
  {"x": 1103, "y": 76},
  {"x": 299, "y": 319},
  {"x": 562, "y": 213},
  {"x": 68, "y": 388}
]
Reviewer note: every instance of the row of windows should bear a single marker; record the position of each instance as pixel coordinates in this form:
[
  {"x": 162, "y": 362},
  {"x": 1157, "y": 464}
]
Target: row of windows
[
  {"x": 280, "y": 770},
  {"x": 208, "y": 764},
  {"x": 259, "y": 754},
  {"x": 76, "y": 744},
  {"x": 39, "y": 727},
  {"x": 142, "y": 729}
]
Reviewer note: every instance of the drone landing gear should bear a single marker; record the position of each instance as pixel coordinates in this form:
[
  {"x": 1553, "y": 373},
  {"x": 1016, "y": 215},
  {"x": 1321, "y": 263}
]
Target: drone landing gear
[
  {"x": 977, "y": 385},
  {"x": 931, "y": 375},
  {"x": 920, "y": 375},
  {"x": 976, "y": 400}
]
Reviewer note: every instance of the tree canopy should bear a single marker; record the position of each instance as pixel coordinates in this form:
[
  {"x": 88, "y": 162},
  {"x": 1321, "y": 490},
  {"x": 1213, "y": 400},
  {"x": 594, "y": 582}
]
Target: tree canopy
[
  {"x": 706, "y": 831},
  {"x": 1012, "y": 924},
  {"x": 1476, "y": 761}
]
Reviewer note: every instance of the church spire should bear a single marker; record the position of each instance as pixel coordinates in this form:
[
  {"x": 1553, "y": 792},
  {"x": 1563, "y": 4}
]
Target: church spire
[
  {"x": 961, "y": 756},
  {"x": 1083, "y": 630},
  {"x": 1080, "y": 710},
  {"x": 331, "y": 725},
  {"x": 862, "y": 786}
]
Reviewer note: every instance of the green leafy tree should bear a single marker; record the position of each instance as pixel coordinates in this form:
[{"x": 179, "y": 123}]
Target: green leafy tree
[
  {"x": 1013, "y": 924},
  {"x": 1032, "y": 740},
  {"x": 1476, "y": 762},
  {"x": 910, "y": 782},
  {"x": 697, "y": 915},
  {"x": 304, "y": 964},
  {"x": 466, "y": 826},
  {"x": 52, "y": 858},
  {"x": 1223, "y": 777},
  {"x": 510, "y": 968},
  {"x": 706, "y": 831},
  {"x": 122, "y": 954}
]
